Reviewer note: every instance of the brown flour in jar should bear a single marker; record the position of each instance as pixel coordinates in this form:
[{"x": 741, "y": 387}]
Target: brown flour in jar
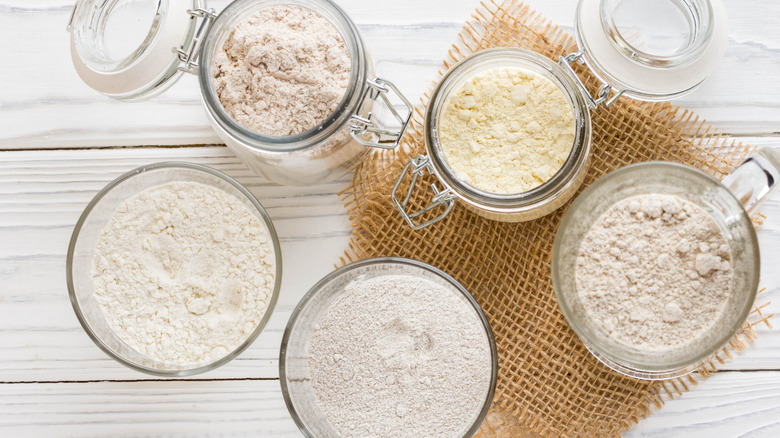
[
  {"x": 282, "y": 71},
  {"x": 654, "y": 272}
]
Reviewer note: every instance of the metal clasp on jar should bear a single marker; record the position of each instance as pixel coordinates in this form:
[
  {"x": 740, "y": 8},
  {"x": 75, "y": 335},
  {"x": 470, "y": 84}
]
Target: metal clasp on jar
[
  {"x": 444, "y": 198},
  {"x": 189, "y": 56},
  {"x": 605, "y": 90},
  {"x": 369, "y": 132}
]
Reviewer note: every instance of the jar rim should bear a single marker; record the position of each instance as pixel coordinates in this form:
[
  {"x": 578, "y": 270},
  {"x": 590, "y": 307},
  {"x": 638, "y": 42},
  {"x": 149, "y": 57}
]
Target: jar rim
[
  {"x": 542, "y": 195},
  {"x": 700, "y": 19},
  {"x": 242, "y": 9}
]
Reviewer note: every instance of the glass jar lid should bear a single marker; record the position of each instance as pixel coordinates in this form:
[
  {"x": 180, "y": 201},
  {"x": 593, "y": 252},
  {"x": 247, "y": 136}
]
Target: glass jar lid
[
  {"x": 134, "y": 49},
  {"x": 651, "y": 50}
]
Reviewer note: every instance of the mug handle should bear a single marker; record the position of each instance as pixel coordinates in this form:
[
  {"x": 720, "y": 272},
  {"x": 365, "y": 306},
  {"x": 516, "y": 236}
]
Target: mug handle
[{"x": 753, "y": 180}]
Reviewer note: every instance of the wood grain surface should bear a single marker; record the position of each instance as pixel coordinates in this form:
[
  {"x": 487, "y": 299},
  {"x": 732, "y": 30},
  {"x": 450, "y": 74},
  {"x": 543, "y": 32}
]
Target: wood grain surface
[{"x": 60, "y": 143}]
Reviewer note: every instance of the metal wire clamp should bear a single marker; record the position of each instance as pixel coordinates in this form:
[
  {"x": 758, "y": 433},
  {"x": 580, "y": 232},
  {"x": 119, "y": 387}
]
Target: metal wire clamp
[
  {"x": 189, "y": 56},
  {"x": 418, "y": 166},
  {"x": 605, "y": 90},
  {"x": 363, "y": 126}
]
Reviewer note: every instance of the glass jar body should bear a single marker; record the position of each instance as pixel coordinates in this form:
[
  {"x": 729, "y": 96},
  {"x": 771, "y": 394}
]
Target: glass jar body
[
  {"x": 321, "y": 154},
  {"x": 321, "y": 162},
  {"x": 536, "y": 202}
]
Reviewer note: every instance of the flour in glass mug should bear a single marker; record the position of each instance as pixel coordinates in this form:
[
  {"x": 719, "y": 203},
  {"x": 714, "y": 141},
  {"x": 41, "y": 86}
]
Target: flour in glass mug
[
  {"x": 183, "y": 272},
  {"x": 399, "y": 356},
  {"x": 654, "y": 272}
]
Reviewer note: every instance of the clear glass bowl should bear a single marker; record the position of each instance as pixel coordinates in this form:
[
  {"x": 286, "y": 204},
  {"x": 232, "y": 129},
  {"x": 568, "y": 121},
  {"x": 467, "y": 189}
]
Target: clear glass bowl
[
  {"x": 88, "y": 230},
  {"x": 294, "y": 358},
  {"x": 663, "y": 178}
]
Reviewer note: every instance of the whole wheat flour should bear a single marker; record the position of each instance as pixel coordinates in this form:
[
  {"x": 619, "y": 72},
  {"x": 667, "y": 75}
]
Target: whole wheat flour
[
  {"x": 507, "y": 130},
  {"x": 183, "y": 272},
  {"x": 282, "y": 71},
  {"x": 654, "y": 272},
  {"x": 400, "y": 356}
]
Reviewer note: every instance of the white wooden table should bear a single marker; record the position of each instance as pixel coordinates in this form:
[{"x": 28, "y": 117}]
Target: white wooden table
[{"x": 60, "y": 143}]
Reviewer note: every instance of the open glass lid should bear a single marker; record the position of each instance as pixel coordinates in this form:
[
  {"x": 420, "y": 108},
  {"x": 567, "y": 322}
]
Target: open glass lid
[
  {"x": 135, "y": 49},
  {"x": 652, "y": 50}
]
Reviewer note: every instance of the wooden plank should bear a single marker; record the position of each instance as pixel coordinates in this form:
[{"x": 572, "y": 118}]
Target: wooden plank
[
  {"x": 729, "y": 404},
  {"x": 42, "y": 194},
  {"x": 407, "y": 42},
  {"x": 137, "y": 409},
  {"x": 72, "y": 115}
]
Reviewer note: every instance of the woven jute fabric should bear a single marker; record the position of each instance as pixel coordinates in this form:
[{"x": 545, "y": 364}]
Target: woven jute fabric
[{"x": 549, "y": 384}]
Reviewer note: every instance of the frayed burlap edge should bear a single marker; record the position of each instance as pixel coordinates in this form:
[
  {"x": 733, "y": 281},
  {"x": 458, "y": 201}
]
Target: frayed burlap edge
[{"x": 512, "y": 23}]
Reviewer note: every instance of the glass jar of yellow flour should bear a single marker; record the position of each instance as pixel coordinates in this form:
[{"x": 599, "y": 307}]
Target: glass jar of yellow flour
[
  {"x": 508, "y": 131},
  {"x": 132, "y": 50}
]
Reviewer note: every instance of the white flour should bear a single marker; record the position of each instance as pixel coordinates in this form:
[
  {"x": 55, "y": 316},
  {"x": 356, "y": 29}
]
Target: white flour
[
  {"x": 183, "y": 272},
  {"x": 283, "y": 71},
  {"x": 400, "y": 356},
  {"x": 654, "y": 272}
]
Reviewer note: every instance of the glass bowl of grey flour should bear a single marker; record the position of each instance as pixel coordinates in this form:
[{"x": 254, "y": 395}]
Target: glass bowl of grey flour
[
  {"x": 656, "y": 265},
  {"x": 388, "y": 348},
  {"x": 174, "y": 269}
]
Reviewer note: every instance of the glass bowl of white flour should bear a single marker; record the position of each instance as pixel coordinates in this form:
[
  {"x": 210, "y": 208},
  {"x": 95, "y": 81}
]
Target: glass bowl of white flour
[
  {"x": 174, "y": 269},
  {"x": 388, "y": 347}
]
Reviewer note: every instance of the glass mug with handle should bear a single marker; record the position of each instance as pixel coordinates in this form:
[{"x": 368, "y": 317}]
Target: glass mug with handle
[{"x": 729, "y": 203}]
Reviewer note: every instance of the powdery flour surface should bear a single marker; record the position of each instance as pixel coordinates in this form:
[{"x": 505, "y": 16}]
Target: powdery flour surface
[
  {"x": 400, "y": 356},
  {"x": 183, "y": 272},
  {"x": 654, "y": 272},
  {"x": 507, "y": 130},
  {"x": 283, "y": 71}
]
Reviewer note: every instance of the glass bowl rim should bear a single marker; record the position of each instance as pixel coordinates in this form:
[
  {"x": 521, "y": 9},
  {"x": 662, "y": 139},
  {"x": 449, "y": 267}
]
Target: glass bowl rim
[
  {"x": 389, "y": 261},
  {"x": 141, "y": 171}
]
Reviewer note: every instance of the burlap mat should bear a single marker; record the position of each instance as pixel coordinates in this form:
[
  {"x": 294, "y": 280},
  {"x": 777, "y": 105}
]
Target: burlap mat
[{"x": 549, "y": 385}]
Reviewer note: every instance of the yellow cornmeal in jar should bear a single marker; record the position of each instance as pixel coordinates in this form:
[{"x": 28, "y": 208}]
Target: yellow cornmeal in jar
[{"x": 507, "y": 130}]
